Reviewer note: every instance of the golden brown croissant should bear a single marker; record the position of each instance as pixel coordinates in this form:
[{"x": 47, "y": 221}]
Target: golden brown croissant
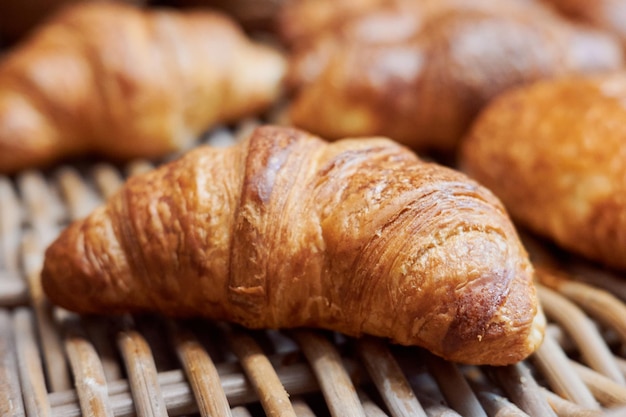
[
  {"x": 555, "y": 153},
  {"x": 421, "y": 77},
  {"x": 122, "y": 82},
  {"x": 285, "y": 230}
]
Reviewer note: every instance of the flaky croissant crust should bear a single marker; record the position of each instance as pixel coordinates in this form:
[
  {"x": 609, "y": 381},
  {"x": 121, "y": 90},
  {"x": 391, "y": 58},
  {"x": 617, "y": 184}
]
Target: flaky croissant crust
[{"x": 285, "y": 230}]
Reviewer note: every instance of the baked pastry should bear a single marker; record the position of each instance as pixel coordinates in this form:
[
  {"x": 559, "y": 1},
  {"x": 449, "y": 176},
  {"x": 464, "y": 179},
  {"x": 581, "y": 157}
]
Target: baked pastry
[
  {"x": 555, "y": 153},
  {"x": 122, "y": 82},
  {"x": 284, "y": 230},
  {"x": 420, "y": 72}
]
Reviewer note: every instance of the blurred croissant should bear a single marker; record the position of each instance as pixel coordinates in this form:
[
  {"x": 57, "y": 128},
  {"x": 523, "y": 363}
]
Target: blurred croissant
[
  {"x": 122, "y": 82},
  {"x": 285, "y": 230},
  {"x": 555, "y": 153},
  {"x": 419, "y": 72}
]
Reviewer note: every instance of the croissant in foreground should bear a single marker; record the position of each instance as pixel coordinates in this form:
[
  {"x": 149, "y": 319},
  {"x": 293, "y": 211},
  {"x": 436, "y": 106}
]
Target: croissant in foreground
[
  {"x": 123, "y": 82},
  {"x": 555, "y": 153},
  {"x": 284, "y": 230}
]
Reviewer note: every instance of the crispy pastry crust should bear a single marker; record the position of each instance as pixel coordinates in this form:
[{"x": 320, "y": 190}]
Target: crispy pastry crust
[
  {"x": 555, "y": 154},
  {"x": 285, "y": 230}
]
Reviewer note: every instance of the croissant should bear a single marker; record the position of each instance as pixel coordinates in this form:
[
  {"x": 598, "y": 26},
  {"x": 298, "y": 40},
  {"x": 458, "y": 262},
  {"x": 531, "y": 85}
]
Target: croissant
[
  {"x": 555, "y": 153},
  {"x": 420, "y": 77},
  {"x": 284, "y": 230},
  {"x": 122, "y": 82}
]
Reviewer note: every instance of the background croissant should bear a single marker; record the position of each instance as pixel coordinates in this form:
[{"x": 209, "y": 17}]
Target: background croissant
[
  {"x": 555, "y": 153},
  {"x": 112, "y": 79},
  {"x": 419, "y": 72},
  {"x": 284, "y": 230},
  {"x": 300, "y": 22}
]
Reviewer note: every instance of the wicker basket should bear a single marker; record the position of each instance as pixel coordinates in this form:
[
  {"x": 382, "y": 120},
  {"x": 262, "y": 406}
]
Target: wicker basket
[{"x": 53, "y": 363}]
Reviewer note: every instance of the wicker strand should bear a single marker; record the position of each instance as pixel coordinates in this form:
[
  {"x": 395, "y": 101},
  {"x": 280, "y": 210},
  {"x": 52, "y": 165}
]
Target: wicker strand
[
  {"x": 454, "y": 387},
  {"x": 79, "y": 197},
  {"x": 10, "y": 226},
  {"x": 370, "y": 407},
  {"x": 606, "y": 391},
  {"x": 520, "y": 386},
  {"x": 90, "y": 381},
  {"x": 32, "y": 378},
  {"x": 99, "y": 330},
  {"x": 582, "y": 330},
  {"x": 107, "y": 179},
  {"x": 302, "y": 409},
  {"x": 436, "y": 409},
  {"x": 138, "y": 167},
  {"x": 11, "y": 403},
  {"x": 142, "y": 374},
  {"x": 262, "y": 375},
  {"x": 496, "y": 405},
  {"x": 239, "y": 411},
  {"x": 602, "y": 278},
  {"x": 43, "y": 209},
  {"x": 555, "y": 366},
  {"x": 13, "y": 289},
  {"x": 564, "y": 408},
  {"x": 220, "y": 138},
  {"x": 55, "y": 363},
  {"x": 202, "y": 374},
  {"x": 489, "y": 395},
  {"x": 389, "y": 378},
  {"x": 599, "y": 303},
  {"x": 335, "y": 383}
]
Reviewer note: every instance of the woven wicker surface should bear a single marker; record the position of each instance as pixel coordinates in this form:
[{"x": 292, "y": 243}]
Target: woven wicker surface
[{"x": 53, "y": 363}]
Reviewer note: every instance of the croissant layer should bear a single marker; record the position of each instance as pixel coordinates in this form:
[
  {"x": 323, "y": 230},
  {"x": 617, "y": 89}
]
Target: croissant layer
[{"x": 284, "y": 230}]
